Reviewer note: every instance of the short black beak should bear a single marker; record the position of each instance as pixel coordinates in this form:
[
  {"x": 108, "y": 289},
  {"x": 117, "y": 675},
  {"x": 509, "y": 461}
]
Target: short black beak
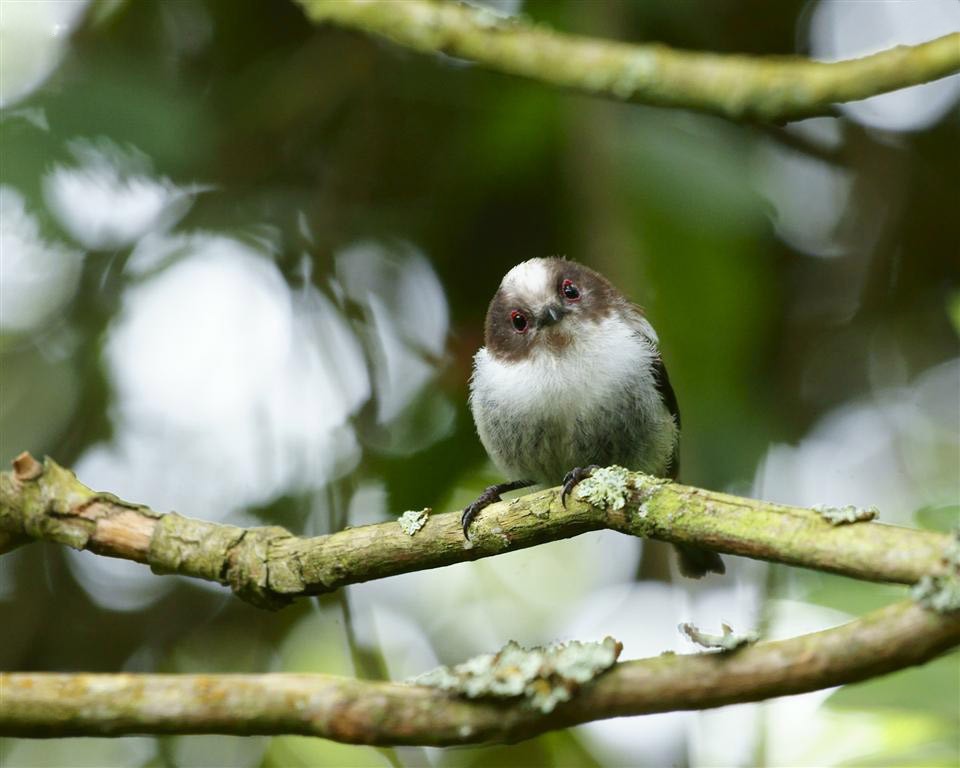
[{"x": 552, "y": 314}]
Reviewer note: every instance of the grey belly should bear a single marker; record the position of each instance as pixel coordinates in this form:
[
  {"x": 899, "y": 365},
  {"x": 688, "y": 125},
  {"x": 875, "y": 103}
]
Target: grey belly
[{"x": 545, "y": 448}]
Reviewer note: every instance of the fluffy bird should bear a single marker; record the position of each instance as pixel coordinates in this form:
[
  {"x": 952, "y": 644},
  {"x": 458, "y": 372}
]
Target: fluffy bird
[{"x": 571, "y": 378}]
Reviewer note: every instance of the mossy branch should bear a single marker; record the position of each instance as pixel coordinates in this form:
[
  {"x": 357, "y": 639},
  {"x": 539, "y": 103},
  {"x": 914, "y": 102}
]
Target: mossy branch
[
  {"x": 270, "y": 566},
  {"x": 765, "y": 88},
  {"x": 363, "y": 712}
]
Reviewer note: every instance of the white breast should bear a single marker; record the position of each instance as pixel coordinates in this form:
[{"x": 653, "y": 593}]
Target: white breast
[
  {"x": 526, "y": 411},
  {"x": 584, "y": 375}
]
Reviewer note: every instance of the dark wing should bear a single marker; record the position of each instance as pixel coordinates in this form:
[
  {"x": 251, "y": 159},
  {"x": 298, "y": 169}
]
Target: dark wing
[
  {"x": 662, "y": 381},
  {"x": 694, "y": 563}
]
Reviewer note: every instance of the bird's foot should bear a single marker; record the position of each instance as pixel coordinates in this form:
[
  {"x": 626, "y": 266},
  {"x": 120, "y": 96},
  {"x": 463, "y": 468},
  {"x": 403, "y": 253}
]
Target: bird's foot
[
  {"x": 490, "y": 494},
  {"x": 573, "y": 477}
]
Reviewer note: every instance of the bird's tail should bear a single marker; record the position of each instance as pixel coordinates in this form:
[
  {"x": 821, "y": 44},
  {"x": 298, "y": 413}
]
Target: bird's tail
[{"x": 695, "y": 563}]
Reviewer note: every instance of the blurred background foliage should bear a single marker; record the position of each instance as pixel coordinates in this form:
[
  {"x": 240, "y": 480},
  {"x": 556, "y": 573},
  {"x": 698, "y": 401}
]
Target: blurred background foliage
[{"x": 245, "y": 263}]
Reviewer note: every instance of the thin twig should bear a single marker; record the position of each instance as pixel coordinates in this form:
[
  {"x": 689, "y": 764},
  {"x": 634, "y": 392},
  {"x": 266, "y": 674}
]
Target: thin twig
[{"x": 766, "y": 88}]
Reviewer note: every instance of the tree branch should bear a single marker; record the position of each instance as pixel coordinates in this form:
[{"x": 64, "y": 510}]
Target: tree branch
[
  {"x": 363, "y": 712},
  {"x": 765, "y": 88},
  {"x": 270, "y": 567}
]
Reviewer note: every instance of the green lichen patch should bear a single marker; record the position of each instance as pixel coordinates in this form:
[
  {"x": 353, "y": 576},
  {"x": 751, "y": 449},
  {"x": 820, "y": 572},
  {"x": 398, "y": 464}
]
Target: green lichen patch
[
  {"x": 646, "y": 487},
  {"x": 542, "y": 676},
  {"x": 725, "y": 642},
  {"x": 413, "y": 520},
  {"x": 539, "y": 505},
  {"x": 847, "y": 514},
  {"x": 951, "y": 555},
  {"x": 941, "y": 592},
  {"x": 607, "y": 487},
  {"x": 489, "y": 18}
]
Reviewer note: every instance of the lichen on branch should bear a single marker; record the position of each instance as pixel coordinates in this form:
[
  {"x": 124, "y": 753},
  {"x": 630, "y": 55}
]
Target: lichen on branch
[
  {"x": 413, "y": 520},
  {"x": 365, "y": 712},
  {"x": 941, "y": 591},
  {"x": 726, "y": 641},
  {"x": 270, "y": 567},
  {"x": 543, "y": 677},
  {"x": 846, "y": 514}
]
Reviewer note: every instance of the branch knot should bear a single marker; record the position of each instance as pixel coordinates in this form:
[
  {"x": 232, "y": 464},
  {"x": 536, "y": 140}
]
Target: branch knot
[{"x": 237, "y": 557}]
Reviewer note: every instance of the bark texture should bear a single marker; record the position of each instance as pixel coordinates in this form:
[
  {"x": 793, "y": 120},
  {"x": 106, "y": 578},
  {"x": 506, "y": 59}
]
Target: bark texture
[{"x": 270, "y": 567}]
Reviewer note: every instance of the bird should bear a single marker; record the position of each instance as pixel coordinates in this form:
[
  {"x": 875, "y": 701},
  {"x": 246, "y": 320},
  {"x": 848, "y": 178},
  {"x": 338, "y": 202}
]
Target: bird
[{"x": 570, "y": 378}]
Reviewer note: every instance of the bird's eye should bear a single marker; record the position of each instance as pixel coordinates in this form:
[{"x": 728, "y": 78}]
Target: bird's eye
[
  {"x": 570, "y": 291},
  {"x": 519, "y": 321}
]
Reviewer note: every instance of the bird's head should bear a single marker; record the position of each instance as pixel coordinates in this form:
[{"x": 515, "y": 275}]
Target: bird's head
[{"x": 545, "y": 305}]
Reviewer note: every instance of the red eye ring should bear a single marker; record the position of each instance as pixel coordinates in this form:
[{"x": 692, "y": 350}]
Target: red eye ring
[
  {"x": 519, "y": 321},
  {"x": 569, "y": 290}
]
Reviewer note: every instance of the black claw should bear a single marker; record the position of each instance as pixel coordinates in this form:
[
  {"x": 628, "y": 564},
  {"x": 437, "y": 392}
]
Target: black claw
[
  {"x": 573, "y": 477},
  {"x": 472, "y": 510},
  {"x": 485, "y": 499},
  {"x": 489, "y": 496}
]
